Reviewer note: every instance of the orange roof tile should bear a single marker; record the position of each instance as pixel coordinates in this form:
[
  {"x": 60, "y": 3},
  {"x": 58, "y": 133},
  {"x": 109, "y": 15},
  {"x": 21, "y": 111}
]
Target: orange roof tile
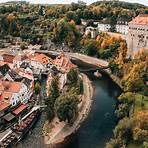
[
  {"x": 20, "y": 109},
  {"x": 64, "y": 62},
  {"x": 4, "y": 105},
  {"x": 8, "y": 86},
  {"x": 20, "y": 57},
  {"x": 8, "y": 58},
  {"x": 6, "y": 96},
  {"x": 141, "y": 19},
  {"x": 42, "y": 58}
]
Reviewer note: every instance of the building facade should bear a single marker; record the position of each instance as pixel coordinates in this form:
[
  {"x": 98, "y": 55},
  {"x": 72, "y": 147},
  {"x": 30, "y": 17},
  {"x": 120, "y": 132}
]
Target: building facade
[
  {"x": 122, "y": 27},
  {"x": 92, "y": 31},
  {"x": 137, "y": 37}
]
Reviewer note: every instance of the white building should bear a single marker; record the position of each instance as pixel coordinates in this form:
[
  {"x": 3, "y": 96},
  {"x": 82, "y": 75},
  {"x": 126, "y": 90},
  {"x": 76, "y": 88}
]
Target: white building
[
  {"x": 103, "y": 27},
  {"x": 15, "y": 92},
  {"x": 137, "y": 37},
  {"x": 122, "y": 27},
  {"x": 92, "y": 31}
]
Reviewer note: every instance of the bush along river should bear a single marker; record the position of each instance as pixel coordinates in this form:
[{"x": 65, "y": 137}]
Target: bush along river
[{"x": 97, "y": 128}]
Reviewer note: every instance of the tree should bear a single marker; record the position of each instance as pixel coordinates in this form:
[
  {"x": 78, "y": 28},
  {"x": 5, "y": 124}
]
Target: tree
[
  {"x": 140, "y": 126},
  {"x": 123, "y": 130},
  {"x": 66, "y": 107},
  {"x": 53, "y": 95},
  {"x": 91, "y": 49},
  {"x": 54, "y": 89},
  {"x": 37, "y": 88},
  {"x": 113, "y": 143},
  {"x": 72, "y": 77}
]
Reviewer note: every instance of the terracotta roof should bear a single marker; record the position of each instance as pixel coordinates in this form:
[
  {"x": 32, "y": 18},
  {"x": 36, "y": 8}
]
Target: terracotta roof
[
  {"x": 8, "y": 86},
  {"x": 41, "y": 58},
  {"x": 20, "y": 57},
  {"x": 141, "y": 19},
  {"x": 5, "y": 100},
  {"x": 8, "y": 58},
  {"x": 4, "y": 105},
  {"x": 64, "y": 63},
  {"x": 20, "y": 109},
  {"x": 6, "y": 96}
]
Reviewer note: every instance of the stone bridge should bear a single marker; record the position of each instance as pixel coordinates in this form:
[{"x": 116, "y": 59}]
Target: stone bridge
[{"x": 101, "y": 64}]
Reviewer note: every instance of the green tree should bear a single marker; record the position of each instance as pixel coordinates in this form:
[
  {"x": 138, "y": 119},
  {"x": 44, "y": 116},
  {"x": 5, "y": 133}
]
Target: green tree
[
  {"x": 113, "y": 143},
  {"x": 53, "y": 95},
  {"x": 91, "y": 49},
  {"x": 37, "y": 88},
  {"x": 123, "y": 130},
  {"x": 66, "y": 107},
  {"x": 54, "y": 89},
  {"x": 72, "y": 77}
]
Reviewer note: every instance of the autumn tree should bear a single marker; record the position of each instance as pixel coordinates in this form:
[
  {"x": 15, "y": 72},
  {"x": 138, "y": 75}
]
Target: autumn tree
[
  {"x": 66, "y": 107},
  {"x": 53, "y": 95},
  {"x": 140, "y": 126}
]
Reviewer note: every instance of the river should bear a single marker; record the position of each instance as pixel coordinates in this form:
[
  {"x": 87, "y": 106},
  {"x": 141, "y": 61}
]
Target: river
[{"x": 97, "y": 129}]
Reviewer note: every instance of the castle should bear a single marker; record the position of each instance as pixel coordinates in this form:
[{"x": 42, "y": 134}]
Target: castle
[{"x": 137, "y": 37}]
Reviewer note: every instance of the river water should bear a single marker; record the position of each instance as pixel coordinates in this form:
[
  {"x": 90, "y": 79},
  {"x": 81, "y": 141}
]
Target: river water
[{"x": 96, "y": 130}]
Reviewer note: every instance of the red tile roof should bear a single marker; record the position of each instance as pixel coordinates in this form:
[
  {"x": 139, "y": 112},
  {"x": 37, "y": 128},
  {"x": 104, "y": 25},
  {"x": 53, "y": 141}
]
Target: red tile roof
[
  {"x": 8, "y": 86},
  {"x": 20, "y": 109},
  {"x": 20, "y": 57},
  {"x": 8, "y": 58},
  {"x": 41, "y": 58},
  {"x": 64, "y": 63},
  {"x": 4, "y": 105},
  {"x": 5, "y": 100},
  {"x": 141, "y": 19}
]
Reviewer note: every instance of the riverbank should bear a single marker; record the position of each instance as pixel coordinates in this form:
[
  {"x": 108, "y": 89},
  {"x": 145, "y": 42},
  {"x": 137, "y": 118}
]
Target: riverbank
[{"x": 58, "y": 131}]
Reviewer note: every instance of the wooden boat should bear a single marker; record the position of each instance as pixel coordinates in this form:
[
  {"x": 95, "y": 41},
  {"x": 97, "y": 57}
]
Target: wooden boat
[{"x": 19, "y": 130}]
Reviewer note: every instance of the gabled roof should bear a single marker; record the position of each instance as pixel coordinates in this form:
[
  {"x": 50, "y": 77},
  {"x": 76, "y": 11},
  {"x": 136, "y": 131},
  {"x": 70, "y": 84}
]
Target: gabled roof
[
  {"x": 20, "y": 57},
  {"x": 42, "y": 58},
  {"x": 4, "y": 105},
  {"x": 64, "y": 63},
  {"x": 8, "y": 117},
  {"x": 15, "y": 76},
  {"x": 20, "y": 109},
  {"x": 8, "y": 58},
  {"x": 11, "y": 87},
  {"x": 4, "y": 69},
  {"x": 141, "y": 19}
]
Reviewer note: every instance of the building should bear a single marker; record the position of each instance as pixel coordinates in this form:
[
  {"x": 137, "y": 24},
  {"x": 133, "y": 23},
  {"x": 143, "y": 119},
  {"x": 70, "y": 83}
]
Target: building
[
  {"x": 122, "y": 26},
  {"x": 92, "y": 31},
  {"x": 3, "y": 70},
  {"x": 41, "y": 61},
  {"x": 63, "y": 64},
  {"x": 6, "y": 57},
  {"x": 137, "y": 36},
  {"x": 104, "y": 27},
  {"x": 16, "y": 92},
  {"x": 13, "y": 76},
  {"x": 19, "y": 59}
]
